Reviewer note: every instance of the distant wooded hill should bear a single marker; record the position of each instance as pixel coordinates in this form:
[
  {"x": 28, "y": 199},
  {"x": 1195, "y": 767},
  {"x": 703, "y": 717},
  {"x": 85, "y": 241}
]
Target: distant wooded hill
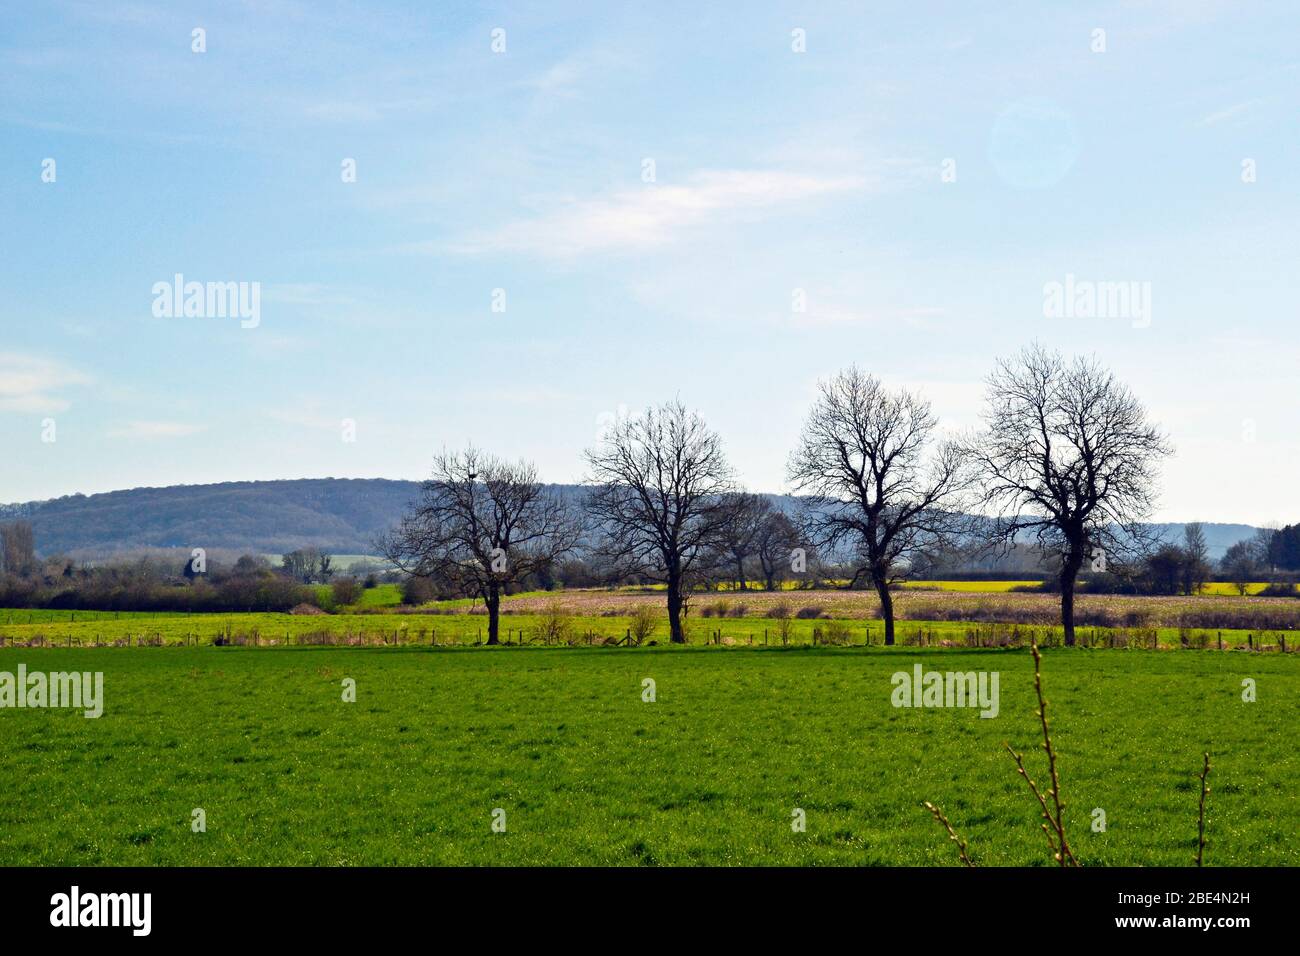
[
  {"x": 262, "y": 517},
  {"x": 340, "y": 515}
]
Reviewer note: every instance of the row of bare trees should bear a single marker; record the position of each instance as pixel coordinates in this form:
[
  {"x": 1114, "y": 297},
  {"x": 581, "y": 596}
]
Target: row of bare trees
[{"x": 1066, "y": 456}]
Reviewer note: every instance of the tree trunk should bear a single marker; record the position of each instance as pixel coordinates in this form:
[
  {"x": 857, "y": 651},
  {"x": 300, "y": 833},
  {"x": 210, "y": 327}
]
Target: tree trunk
[
  {"x": 740, "y": 575},
  {"x": 886, "y": 610},
  {"x": 1069, "y": 573},
  {"x": 493, "y": 602},
  {"x": 678, "y": 635}
]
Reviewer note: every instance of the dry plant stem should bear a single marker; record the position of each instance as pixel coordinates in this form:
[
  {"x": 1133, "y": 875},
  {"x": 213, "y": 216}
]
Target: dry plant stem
[
  {"x": 1053, "y": 815},
  {"x": 952, "y": 834},
  {"x": 1065, "y": 857},
  {"x": 1200, "y": 823},
  {"x": 1042, "y": 802}
]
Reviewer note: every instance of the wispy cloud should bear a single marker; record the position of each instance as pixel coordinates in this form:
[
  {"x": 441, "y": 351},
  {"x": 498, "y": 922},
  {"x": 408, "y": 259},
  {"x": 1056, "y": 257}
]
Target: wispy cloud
[
  {"x": 152, "y": 430},
  {"x": 33, "y": 385},
  {"x": 656, "y": 213},
  {"x": 1237, "y": 109},
  {"x": 561, "y": 79},
  {"x": 573, "y": 74}
]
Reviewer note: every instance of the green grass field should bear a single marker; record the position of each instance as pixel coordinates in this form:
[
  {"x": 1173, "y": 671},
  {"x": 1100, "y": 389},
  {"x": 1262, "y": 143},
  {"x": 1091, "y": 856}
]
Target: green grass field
[{"x": 588, "y": 773}]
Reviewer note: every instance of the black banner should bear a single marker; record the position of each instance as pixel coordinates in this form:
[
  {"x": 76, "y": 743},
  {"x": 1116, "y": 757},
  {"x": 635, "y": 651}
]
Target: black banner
[{"x": 936, "y": 907}]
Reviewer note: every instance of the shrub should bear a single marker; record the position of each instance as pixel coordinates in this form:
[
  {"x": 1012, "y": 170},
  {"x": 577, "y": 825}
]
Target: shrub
[
  {"x": 835, "y": 632},
  {"x": 417, "y": 590},
  {"x": 643, "y": 623},
  {"x": 321, "y": 597},
  {"x": 262, "y": 592},
  {"x": 810, "y": 611},
  {"x": 346, "y": 590},
  {"x": 785, "y": 629},
  {"x": 716, "y": 609},
  {"x": 1138, "y": 617},
  {"x": 555, "y": 626}
]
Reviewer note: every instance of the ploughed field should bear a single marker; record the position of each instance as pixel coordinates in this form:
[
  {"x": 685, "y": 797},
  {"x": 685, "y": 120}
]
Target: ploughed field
[{"x": 560, "y": 745}]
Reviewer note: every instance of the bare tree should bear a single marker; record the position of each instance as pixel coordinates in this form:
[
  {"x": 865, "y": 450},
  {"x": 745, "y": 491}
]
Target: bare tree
[
  {"x": 1166, "y": 569},
  {"x": 774, "y": 546},
  {"x": 1196, "y": 558},
  {"x": 876, "y": 479},
  {"x": 17, "y": 548},
  {"x": 1067, "y": 454},
  {"x": 480, "y": 526},
  {"x": 1242, "y": 564},
  {"x": 739, "y": 540},
  {"x": 663, "y": 494},
  {"x": 1262, "y": 542}
]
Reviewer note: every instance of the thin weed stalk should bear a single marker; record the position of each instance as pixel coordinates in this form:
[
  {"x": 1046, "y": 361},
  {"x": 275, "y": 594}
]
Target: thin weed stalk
[
  {"x": 1200, "y": 822},
  {"x": 952, "y": 834},
  {"x": 1062, "y": 853}
]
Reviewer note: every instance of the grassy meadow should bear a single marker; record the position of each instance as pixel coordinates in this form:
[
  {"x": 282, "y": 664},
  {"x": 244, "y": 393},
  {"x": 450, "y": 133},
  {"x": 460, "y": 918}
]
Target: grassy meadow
[
  {"x": 781, "y": 701},
  {"x": 588, "y": 773}
]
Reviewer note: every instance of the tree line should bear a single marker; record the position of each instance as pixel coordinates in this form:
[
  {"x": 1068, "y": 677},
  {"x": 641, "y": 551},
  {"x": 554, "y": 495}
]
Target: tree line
[
  {"x": 198, "y": 582},
  {"x": 1066, "y": 455},
  {"x": 1065, "y": 463}
]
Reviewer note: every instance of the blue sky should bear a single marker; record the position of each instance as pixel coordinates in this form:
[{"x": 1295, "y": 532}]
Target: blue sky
[{"x": 524, "y": 171}]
